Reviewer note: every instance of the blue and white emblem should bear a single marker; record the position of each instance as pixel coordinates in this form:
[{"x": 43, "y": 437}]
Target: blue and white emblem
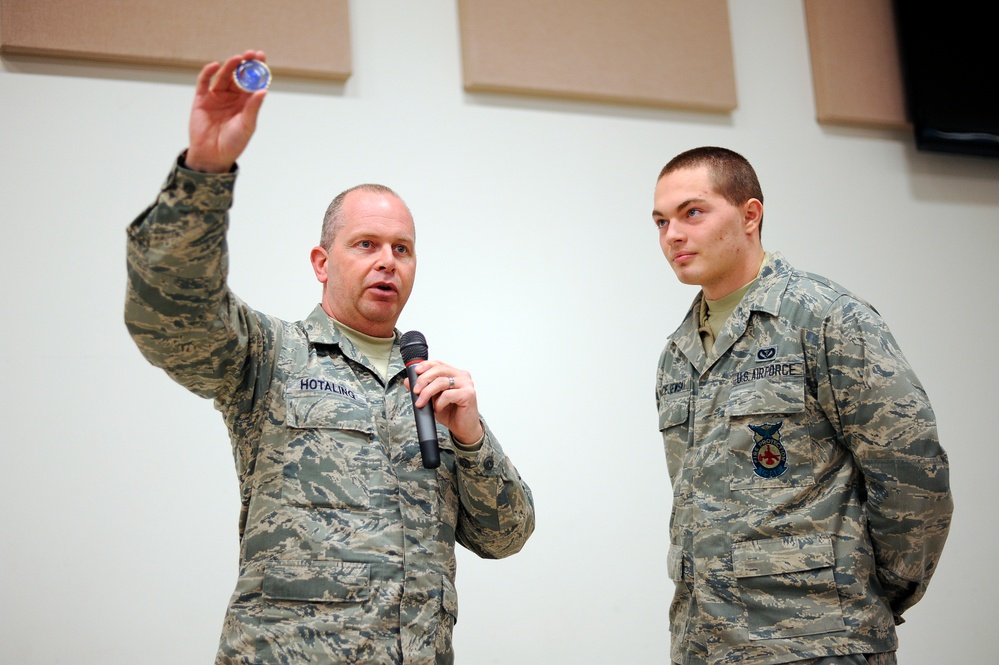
[{"x": 769, "y": 456}]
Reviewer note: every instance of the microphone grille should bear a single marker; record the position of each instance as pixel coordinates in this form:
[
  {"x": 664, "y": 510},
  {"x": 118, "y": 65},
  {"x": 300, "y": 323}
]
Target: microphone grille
[{"x": 413, "y": 346}]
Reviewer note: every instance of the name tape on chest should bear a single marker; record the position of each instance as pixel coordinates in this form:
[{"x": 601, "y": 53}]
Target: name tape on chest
[{"x": 320, "y": 385}]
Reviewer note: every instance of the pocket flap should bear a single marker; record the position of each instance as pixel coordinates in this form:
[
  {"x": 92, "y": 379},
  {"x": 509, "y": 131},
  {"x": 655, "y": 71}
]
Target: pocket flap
[
  {"x": 450, "y": 598},
  {"x": 785, "y": 394},
  {"x": 318, "y": 581},
  {"x": 310, "y": 411},
  {"x": 674, "y": 563},
  {"x": 782, "y": 555},
  {"x": 674, "y": 410}
]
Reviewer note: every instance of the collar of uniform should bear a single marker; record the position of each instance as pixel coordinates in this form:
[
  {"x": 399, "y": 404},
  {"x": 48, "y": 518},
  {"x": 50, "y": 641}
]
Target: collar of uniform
[
  {"x": 320, "y": 329},
  {"x": 766, "y": 294},
  {"x": 687, "y": 339}
]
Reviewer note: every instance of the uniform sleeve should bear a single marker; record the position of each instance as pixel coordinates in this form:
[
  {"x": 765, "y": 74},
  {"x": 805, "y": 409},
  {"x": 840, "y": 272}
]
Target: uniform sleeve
[
  {"x": 496, "y": 516},
  {"x": 176, "y": 303},
  {"x": 886, "y": 421},
  {"x": 179, "y": 310}
]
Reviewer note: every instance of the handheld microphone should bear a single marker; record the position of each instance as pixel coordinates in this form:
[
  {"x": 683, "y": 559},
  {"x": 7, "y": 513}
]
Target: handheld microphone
[{"x": 413, "y": 346}]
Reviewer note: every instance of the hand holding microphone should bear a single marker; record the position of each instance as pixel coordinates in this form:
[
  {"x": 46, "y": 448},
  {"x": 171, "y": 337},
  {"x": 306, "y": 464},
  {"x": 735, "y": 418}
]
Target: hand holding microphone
[
  {"x": 413, "y": 346},
  {"x": 450, "y": 398}
]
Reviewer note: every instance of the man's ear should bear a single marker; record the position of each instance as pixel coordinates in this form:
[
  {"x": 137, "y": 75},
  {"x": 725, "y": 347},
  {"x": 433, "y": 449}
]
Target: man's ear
[
  {"x": 320, "y": 259},
  {"x": 752, "y": 216}
]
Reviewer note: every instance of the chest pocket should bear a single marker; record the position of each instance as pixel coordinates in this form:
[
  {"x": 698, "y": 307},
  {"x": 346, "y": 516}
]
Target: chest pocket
[
  {"x": 330, "y": 458},
  {"x": 768, "y": 442},
  {"x": 674, "y": 420}
]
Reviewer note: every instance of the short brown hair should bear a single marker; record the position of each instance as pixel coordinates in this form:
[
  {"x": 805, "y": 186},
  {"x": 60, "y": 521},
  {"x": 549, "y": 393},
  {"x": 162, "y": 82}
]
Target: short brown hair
[{"x": 731, "y": 174}]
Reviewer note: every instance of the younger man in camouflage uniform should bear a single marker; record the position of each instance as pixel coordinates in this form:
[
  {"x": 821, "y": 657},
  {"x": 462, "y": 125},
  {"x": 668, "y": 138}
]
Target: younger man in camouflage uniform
[
  {"x": 811, "y": 498},
  {"x": 346, "y": 540}
]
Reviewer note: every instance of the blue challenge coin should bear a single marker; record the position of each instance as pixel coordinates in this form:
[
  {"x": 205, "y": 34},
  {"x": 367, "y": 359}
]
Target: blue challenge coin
[{"x": 252, "y": 75}]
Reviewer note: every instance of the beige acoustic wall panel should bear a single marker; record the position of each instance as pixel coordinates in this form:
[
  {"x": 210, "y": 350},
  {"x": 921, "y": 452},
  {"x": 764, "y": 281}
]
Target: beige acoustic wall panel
[
  {"x": 675, "y": 54},
  {"x": 309, "y": 38},
  {"x": 856, "y": 69}
]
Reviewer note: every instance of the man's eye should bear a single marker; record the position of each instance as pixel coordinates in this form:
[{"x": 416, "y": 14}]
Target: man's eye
[
  {"x": 402, "y": 249},
  {"x": 364, "y": 244},
  {"x": 661, "y": 223},
  {"x": 693, "y": 212}
]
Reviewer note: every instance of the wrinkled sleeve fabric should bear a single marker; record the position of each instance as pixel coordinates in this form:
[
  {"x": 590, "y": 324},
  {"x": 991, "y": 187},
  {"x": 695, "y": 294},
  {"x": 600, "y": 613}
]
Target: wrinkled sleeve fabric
[
  {"x": 885, "y": 419},
  {"x": 179, "y": 310},
  {"x": 497, "y": 509},
  {"x": 177, "y": 304}
]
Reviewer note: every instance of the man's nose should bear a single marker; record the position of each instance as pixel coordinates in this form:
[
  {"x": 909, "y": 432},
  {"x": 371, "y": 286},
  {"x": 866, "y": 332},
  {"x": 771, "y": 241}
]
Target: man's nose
[
  {"x": 674, "y": 233},
  {"x": 386, "y": 258}
]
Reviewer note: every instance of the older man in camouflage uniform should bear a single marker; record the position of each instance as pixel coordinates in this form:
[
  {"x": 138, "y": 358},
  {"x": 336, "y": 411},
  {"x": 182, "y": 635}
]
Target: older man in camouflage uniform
[
  {"x": 346, "y": 540},
  {"x": 811, "y": 498}
]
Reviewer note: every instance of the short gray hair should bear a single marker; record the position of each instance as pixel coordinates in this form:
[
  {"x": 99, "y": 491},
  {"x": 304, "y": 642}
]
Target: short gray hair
[{"x": 333, "y": 220}]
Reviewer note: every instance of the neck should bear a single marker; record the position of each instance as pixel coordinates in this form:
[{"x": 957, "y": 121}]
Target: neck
[
  {"x": 386, "y": 331},
  {"x": 746, "y": 273}
]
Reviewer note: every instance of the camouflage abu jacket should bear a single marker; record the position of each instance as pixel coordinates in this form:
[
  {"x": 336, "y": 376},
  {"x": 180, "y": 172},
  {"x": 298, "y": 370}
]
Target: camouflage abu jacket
[
  {"x": 811, "y": 497},
  {"x": 346, "y": 541}
]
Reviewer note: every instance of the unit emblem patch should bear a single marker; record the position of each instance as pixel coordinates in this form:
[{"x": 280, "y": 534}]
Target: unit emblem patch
[
  {"x": 766, "y": 354},
  {"x": 769, "y": 456}
]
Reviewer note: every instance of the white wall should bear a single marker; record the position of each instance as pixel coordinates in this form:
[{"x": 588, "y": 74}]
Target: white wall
[{"x": 540, "y": 272}]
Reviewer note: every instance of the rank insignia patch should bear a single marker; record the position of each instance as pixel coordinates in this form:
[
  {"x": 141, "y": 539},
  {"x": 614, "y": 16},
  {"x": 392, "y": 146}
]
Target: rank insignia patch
[{"x": 769, "y": 456}]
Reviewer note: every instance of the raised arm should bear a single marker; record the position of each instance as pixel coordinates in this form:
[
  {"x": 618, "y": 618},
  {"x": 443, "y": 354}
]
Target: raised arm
[
  {"x": 223, "y": 116},
  {"x": 179, "y": 309}
]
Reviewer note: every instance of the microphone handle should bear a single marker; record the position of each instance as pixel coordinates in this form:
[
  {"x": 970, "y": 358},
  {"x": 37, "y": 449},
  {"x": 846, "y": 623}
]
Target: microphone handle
[{"x": 426, "y": 426}]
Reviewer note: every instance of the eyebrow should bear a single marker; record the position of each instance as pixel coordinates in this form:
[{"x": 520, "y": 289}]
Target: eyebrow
[{"x": 365, "y": 234}]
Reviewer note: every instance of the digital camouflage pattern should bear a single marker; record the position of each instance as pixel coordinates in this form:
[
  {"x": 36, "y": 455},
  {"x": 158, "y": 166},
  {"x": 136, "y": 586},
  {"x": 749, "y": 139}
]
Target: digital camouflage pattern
[
  {"x": 346, "y": 541},
  {"x": 811, "y": 496}
]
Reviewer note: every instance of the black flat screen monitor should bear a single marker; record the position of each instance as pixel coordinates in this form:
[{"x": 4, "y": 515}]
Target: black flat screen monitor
[{"x": 950, "y": 66}]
